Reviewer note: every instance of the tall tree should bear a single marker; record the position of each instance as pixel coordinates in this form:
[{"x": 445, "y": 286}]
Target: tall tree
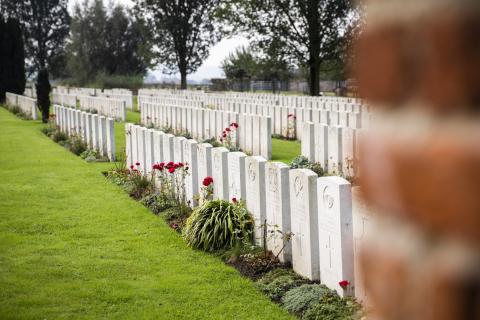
[
  {"x": 12, "y": 58},
  {"x": 106, "y": 41},
  {"x": 308, "y": 30},
  {"x": 184, "y": 31},
  {"x": 46, "y": 25}
]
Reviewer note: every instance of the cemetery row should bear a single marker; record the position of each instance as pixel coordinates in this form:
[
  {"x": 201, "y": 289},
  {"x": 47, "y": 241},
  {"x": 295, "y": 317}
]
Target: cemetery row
[
  {"x": 287, "y": 122},
  {"x": 105, "y": 106},
  {"x": 318, "y": 211},
  {"x": 116, "y": 94},
  {"x": 298, "y": 101},
  {"x": 95, "y": 130},
  {"x": 333, "y": 147},
  {"x": 250, "y": 133},
  {"x": 26, "y": 104}
]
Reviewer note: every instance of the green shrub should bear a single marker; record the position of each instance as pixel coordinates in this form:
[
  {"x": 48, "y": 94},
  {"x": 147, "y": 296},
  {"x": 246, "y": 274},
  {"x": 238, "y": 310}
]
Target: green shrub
[
  {"x": 277, "y": 282},
  {"x": 156, "y": 202},
  {"x": 333, "y": 307},
  {"x": 77, "y": 146},
  {"x": 59, "y": 136},
  {"x": 301, "y": 162},
  {"x": 218, "y": 224},
  {"x": 138, "y": 185},
  {"x": 299, "y": 299},
  {"x": 213, "y": 142},
  {"x": 49, "y": 129}
]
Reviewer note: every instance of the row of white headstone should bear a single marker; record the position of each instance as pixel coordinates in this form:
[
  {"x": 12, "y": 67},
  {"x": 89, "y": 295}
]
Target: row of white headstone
[
  {"x": 26, "y": 104},
  {"x": 318, "y": 211},
  {"x": 127, "y": 98},
  {"x": 116, "y": 94},
  {"x": 253, "y": 135},
  {"x": 286, "y": 121},
  {"x": 96, "y": 131},
  {"x": 108, "y": 107},
  {"x": 66, "y": 100},
  {"x": 30, "y": 92},
  {"x": 246, "y": 97},
  {"x": 334, "y": 147}
]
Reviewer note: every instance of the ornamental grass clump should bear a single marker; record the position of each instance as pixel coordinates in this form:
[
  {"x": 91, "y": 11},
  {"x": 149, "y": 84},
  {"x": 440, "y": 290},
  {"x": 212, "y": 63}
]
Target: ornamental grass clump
[
  {"x": 299, "y": 299},
  {"x": 218, "y": 224}
]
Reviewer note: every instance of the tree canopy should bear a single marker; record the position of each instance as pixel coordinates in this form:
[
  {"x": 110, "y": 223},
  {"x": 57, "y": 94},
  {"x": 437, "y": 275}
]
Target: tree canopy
[
  {"x": 308, "y": 32},
  {"x": 183, "y": 30},
  {"x": 106, "y": 41}
]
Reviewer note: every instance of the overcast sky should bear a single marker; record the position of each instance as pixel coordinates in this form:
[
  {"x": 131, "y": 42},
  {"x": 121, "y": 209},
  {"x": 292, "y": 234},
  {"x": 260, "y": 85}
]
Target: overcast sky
[{"x": 211, "y": 66}]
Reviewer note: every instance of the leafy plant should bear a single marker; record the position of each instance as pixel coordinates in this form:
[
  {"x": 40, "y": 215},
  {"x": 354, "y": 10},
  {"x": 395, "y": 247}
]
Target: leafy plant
[
  {"x": 137, "y": 184},
  {"x": 333, "y": 307},
  {"x": 213, "y": 142},
  {"x": 302, "y": 162},
  {"x": 59, "y": 136},
  {"x": 156, "y": 202},
  {"x": 299, "y": 299},
  {"x": 77, "y": 145},
  {"x": 278, "y": 281},
  {"x": 218, "y": 224}
]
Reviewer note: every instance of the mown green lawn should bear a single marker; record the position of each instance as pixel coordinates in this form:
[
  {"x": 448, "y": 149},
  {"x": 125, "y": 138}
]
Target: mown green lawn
[
  {"x": 73, "y": 245},
  {"x": 285, "y": 150}
]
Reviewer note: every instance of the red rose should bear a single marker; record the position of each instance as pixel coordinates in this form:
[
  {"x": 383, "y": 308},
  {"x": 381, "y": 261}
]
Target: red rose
[
  {"x": 227, "y": 129},
  {"x": 180, "y": 164},
  {"x": 137, "y": 164},
  {"x": 344, "y": 284},
  {"x": 224, "y": 135},
  {"x": 132, "y": 167},
  {"x": 234, "y": 200},
  {"x": 171, "y": 170},
  {"x": 207, "y": 181}
]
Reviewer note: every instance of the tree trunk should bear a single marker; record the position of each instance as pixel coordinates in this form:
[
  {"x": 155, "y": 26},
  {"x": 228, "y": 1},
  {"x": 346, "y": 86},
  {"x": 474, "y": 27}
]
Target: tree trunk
[
  {"x": 43, "y": 94},
  {"x": 183, "y": 81},
  {"x": 314, "y": 78}
]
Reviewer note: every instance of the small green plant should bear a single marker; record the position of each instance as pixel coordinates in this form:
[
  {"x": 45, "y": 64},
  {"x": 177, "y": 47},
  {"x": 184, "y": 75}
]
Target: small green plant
[
  {"x": 156, "y": 202},
  {"x": 278, "y": 281},
  {"x": 137, "y": 184},
  {"x": 333, "y": 307},
  {"x": 59, "y": 136},
  {"x": 77, "y": 145},
  {"x": 302, "y": 162},
  {"x": 213, "y": 142},
  {"x": 91, "y": 155},
  {"x": 218, "y": 224},
  {"x": 299, "y": 299}
]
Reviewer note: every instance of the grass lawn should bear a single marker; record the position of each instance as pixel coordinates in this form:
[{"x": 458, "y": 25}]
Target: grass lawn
[
  {"x": 73, "y": 245},
  {"x": 285, "y": 150}
]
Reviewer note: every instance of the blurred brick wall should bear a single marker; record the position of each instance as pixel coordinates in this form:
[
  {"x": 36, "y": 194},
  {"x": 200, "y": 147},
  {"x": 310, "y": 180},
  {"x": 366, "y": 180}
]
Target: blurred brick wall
[{"x": 419, "y": 64}]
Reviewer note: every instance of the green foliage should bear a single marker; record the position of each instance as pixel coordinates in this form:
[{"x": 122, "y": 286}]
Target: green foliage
[
  {"x": 156, "y": 202},
  {"x": 138, "y": 185},
  {"x": 218, "y": 224},
  {"x": 91, "y": 155},
  {"x": 333, "y": 307},
  {"x": 109, "y": 48},
  {"x": 277, "y": 282},
  {"x": 214, "y": 142},
  {"x": 43, "y": 94},
  {"x": 77, "y": 146},
  {"x": 183, "y": 32},
  {"x": 59, "y": 136},
  {"x": 301, "y": 162},
  {"x": 12, "y": 58},
  {"x": 299, "y": 299}
]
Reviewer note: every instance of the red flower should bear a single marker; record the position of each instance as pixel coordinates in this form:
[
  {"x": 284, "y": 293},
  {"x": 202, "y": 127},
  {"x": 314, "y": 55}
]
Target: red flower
[
  {"x": 290, "y": 115},
  {"x": 224, "y": 135},
  {"x": 221, "y": 140},
  {"x": 227, "y": 129},
  {"x": 180, "y": 164},
  {"x": 207, "y": 181},
  {"x": 132, "y": 167},
  {"x": 344, "y": 284},
  {"x": 234, "y": 200},
  {"x": 171, "y": 169},
  {"x": 234, "y": 124},
  {"x": 137, "y": 164}
]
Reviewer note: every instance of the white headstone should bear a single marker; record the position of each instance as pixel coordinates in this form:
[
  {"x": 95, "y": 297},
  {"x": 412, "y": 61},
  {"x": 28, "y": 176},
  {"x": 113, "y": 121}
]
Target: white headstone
[
  {"x": 335, "y": 228},
  {"x": 277, "y": 198},
  {"x": 178, "y": 148},
  {"x": 220, "y": 173},
  {"x": 236, "y": 175},
  {"x": 148, "y": 150},
  {"x": 204, "y": 154},
  {"x": 304, "y": 220},
  {"x": 168, "y": 147},
  {"x": 255, "y": 193},
  {"x": 191, "y": 161},
  {"x": 110, "y": 136}
]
